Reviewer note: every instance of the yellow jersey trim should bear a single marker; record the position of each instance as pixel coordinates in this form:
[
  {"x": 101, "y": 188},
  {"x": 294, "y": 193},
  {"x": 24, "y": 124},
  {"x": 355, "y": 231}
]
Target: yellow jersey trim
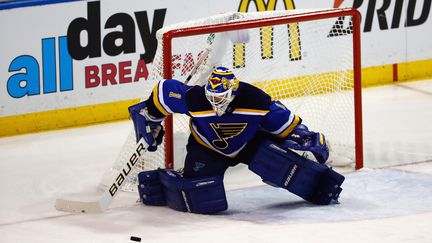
[
  {"x": 251, "y": 110},
  {"x": 290, "y": 128},
  {"x": 156, "y": 100},
  {"x": 197, "y": 113}
]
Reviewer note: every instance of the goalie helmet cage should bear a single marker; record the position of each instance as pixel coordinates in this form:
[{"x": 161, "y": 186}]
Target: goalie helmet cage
[{"x": 307, "y": 59}]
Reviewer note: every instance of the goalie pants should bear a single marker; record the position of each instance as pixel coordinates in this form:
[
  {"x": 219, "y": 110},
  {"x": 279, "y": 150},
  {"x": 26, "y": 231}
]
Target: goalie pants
[{"x": 201, "y": 161}]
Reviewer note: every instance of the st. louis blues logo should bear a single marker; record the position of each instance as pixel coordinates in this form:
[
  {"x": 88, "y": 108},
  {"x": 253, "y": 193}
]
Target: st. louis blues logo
[{"x": 225, "y": 131}]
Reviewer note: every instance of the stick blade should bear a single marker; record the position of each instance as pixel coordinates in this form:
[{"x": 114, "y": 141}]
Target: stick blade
[{"x": 79, "y": 203}]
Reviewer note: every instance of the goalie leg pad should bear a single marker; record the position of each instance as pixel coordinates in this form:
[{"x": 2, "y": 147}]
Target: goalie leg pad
[
  {"x": 310, "y": 180},
  {"x": 150, "y": 188},
  {"x": 205, "y": 195}
]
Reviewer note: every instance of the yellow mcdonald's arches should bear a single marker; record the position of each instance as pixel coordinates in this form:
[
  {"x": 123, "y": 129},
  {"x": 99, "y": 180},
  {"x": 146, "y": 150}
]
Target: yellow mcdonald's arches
[{"x": 266, "y": 33}]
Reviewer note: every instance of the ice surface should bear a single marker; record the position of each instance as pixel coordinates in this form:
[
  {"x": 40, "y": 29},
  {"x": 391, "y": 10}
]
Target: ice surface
[
  {"x": 391, "y": 203},
  {"x": 367, "y": 194}
]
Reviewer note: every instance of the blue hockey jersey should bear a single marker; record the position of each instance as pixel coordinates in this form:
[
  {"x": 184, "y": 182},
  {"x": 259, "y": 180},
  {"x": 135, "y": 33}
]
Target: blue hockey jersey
[{"x": 250, "y": 111}]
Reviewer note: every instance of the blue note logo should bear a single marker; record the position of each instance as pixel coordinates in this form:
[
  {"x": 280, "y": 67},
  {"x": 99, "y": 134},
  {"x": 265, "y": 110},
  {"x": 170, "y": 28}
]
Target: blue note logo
[{"x": 225, "y": 131}]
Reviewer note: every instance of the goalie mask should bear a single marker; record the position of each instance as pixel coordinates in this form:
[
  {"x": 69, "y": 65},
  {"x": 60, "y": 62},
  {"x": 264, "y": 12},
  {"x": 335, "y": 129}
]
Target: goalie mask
[{"x": 221, "y": 89}]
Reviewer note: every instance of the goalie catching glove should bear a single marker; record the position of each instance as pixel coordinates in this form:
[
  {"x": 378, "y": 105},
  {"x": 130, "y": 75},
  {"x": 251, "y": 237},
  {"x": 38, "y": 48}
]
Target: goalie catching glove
[
  {"x": 146, "y": 126},
  {"x": 302, "y": 139}
]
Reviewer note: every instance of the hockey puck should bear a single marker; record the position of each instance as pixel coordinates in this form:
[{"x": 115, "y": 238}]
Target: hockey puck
[{"x": 134, "y": 238}]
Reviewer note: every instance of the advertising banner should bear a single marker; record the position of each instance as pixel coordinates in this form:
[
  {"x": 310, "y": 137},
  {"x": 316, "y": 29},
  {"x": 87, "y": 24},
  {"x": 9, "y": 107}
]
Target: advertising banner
[{"x": 56, "y": 59}]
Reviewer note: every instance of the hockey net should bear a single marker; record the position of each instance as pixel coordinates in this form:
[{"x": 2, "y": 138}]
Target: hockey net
[{"x": 307, "y": 59}]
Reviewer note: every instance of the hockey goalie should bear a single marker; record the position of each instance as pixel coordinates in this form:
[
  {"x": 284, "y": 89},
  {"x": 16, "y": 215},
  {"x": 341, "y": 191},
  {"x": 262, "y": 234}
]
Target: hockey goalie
[{"x": 231, "y": 122}]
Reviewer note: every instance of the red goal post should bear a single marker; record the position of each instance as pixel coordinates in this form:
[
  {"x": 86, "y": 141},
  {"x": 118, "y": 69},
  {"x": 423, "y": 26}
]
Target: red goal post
[{"x": 247, "y": 24}]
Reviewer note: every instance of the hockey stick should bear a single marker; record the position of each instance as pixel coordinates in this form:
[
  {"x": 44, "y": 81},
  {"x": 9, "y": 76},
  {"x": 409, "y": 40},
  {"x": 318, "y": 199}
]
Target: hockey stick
[
  {"x": 206, "y": 52},
  {"x": 223, "y": 39},
  {"x": 98, "y": 203},
  {"x": 77, "y": 203}
]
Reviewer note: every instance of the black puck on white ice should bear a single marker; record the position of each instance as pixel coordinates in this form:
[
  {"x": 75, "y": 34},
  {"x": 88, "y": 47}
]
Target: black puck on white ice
[{"x": 135, "y": 238}]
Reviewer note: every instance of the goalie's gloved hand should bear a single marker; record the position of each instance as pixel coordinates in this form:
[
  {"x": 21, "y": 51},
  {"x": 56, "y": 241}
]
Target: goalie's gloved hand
[
  {"x": 146, "y": 126},
  {"x": 302, "y": 139}
]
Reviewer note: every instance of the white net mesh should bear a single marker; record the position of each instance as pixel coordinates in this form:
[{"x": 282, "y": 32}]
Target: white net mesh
[{"x": 306, "y": 65}]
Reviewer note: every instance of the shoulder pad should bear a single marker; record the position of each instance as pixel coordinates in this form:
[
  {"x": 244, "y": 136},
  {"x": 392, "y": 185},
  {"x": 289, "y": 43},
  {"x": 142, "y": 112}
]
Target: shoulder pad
[
  {"x": 251, "y": 97},
  {"x": 196, "y": 100}
]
